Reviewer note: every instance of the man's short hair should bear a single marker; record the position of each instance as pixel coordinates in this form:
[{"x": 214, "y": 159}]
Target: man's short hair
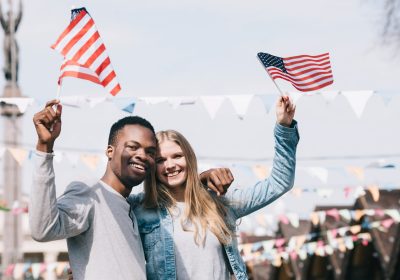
[{"x": 130, "y": 120}]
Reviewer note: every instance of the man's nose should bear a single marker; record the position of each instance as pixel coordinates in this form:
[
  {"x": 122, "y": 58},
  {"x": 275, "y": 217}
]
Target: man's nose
[{"x": 141, "y": 154}]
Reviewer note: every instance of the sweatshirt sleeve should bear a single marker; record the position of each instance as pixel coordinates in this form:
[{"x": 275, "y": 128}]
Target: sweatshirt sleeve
[
  {"x": 247, "y": 200},
  {"x": 51, "y": 218}
]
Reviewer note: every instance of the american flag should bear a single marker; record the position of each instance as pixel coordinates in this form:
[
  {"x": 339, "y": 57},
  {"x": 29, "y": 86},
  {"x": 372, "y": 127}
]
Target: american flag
[
  {"x": 85, "y": 53},
  {"x": 305, "y": 72}
]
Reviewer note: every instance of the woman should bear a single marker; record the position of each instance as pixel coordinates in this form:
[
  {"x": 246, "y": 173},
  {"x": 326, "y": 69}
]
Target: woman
[{"x": 187, "y": 231}]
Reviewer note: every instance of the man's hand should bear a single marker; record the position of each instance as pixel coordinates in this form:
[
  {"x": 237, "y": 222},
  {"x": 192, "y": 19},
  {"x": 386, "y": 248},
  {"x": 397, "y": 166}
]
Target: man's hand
[
  {"x": 217, "y": 179},
  {"x": 285, "y": 110},
  {"x": 48, "y": 126}
]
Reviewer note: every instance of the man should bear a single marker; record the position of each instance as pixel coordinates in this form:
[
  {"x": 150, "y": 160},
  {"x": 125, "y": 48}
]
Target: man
[{"x": 100, "y": 228}]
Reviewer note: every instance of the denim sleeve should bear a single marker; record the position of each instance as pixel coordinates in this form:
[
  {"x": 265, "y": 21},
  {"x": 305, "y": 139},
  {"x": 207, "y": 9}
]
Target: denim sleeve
[{"x": 247, "y": 200}]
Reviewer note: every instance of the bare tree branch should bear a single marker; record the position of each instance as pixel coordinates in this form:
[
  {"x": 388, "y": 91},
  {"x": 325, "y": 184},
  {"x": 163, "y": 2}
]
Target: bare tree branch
[{"x": 391, "y": 28}]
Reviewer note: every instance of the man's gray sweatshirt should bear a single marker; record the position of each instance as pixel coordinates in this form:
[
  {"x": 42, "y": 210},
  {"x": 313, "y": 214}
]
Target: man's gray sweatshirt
[{"x": 102, "y": 237}]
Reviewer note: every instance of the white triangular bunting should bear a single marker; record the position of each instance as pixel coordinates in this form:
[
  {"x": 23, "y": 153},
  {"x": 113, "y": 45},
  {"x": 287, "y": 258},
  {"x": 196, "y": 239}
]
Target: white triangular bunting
[
  {"x": 212, "y": 104},
  {"x": 358, "y": 100},
  {"x": 268, "y": 100},
  {"x": 240, "y": 103}
]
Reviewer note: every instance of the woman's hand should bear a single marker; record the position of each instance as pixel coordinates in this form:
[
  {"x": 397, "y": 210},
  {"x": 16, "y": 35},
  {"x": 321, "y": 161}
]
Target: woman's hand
[{"x": 285, "y": 110}]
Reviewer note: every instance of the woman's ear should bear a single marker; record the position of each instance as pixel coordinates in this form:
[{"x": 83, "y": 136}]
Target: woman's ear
[{"x": 110, "y": 152}]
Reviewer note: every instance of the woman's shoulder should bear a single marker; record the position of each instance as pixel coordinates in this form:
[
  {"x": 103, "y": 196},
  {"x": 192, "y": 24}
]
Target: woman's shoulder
[{"x": 136, "y": 199}]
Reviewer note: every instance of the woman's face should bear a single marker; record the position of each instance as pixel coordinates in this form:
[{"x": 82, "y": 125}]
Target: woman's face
[{"x": 171, "y": 169}]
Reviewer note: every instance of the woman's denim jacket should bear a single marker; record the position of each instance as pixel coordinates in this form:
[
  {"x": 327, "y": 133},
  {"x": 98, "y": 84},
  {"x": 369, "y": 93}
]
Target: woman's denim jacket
[{"x": 156, "y": 227}]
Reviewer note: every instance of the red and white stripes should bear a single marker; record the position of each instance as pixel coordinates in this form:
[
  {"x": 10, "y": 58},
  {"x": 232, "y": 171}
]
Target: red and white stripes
[
  {"x": 85, "y": 54},
  {"x": 305, "y": 72}
]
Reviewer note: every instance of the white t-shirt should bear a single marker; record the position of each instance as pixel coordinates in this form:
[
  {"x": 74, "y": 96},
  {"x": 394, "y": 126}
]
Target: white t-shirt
[{"x": 197, "y": 261}]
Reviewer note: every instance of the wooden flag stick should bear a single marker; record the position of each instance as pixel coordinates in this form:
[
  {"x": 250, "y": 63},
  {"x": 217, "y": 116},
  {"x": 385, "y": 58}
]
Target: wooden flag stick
[
  {"x": 280, "y": 91},
  {"x": 58, "y": 91}
]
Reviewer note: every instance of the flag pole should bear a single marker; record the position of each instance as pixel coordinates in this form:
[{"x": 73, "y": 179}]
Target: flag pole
[
  {"x": 58, "y": 91},
  {"x": 279, "y": 89}
]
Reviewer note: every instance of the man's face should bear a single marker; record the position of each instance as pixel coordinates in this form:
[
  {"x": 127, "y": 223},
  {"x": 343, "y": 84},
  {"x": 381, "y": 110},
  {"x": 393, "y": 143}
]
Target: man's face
[{"x": 132, "y": 156}]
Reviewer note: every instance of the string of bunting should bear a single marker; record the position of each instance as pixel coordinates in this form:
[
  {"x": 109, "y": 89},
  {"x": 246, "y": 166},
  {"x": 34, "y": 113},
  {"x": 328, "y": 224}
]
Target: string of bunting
[
  {"x": 35, "y": 270},
  {"x": 92, "y": 159},
  {"x": 240, "y": 103},
  {"x": 319, "y": 248},
  {"x": 16, "y": 208},
  {"x": 319, "y": 217},
  {"x": 338, "y": 239},
  {"x": 263, "y": 220}
]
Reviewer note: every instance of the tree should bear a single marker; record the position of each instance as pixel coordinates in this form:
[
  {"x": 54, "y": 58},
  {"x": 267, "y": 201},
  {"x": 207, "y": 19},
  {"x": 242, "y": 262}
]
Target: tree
[{"x": 391, "y": 28}]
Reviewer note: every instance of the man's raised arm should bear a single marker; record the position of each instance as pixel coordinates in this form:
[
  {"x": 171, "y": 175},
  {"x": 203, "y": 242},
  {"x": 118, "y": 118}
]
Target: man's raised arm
[{"x": 49, "y": 218}]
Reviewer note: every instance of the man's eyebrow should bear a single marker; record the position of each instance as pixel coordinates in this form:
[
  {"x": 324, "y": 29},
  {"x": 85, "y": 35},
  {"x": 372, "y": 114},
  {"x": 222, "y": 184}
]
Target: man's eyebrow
[{"x": 132, "y": 142}]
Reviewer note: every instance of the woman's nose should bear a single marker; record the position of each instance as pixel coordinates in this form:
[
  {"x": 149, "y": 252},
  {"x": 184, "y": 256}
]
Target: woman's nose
[{"x": 169, "y": 163}]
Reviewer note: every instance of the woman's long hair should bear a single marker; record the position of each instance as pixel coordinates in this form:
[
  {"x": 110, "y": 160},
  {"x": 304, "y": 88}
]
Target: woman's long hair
[{"x": 203, "y": 210}]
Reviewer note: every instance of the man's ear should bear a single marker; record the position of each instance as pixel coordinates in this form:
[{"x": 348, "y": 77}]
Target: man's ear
[{"x": 110, "y": 152}]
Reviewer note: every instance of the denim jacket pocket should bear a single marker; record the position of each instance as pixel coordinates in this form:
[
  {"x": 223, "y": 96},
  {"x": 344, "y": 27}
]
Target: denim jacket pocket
[{"x": 150, "y": 234}]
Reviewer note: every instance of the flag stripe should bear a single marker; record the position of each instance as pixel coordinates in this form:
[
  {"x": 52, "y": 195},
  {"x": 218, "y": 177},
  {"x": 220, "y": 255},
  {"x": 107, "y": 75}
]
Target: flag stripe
[
  {"x": 115, "y": 90},
  {"x": 80, "y": 75},
  {"x": 99, "y": 54},
  {"x": 310, "y": 87},
  {"x": 111, "y": 85},
  {"x": 108, "y": 78},
  {"x": 306, "y": 56},
  {"x": 106, "y": 71},
  {"x": 66, "y": 51},
  {"x": 301, "y": 82},
  {"x": 301, "y": 61},
  {"x": 68, "y": 31},
  {"x": 72, "y": 69},
  {"x": 86, "y": 46},
  {"x": 311, "y": 75},
  {"x": 305, "y": 65},
  {"x": 102, "y": 66},
  {"x": 307, "y": 70},
  {"x": 86, "y": 58}
]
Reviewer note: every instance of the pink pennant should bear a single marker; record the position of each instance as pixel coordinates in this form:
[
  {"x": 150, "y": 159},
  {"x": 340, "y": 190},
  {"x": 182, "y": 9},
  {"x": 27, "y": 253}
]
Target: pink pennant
[
  {"x": 284, "y": 219},
  {"x": 387, "y": 223},
  {"x": 293, "y": 255},
  {"x": 279, "y": 242},
  {"x": 379, "y": 212},
  {"x": 9, "y": 270},
  {"x": 347, "y": 191},
  {"x": 364, "y": 242},
  {"x": 333, "y": 213},
  {"x": 334, "y": 232},
  {"x": 43, "y": 267}
]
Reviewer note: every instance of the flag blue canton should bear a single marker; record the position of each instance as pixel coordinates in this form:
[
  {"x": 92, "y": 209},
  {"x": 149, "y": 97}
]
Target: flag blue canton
[
  {"x": 76, "y": 12},
  {"x": 269, "y": 60}
]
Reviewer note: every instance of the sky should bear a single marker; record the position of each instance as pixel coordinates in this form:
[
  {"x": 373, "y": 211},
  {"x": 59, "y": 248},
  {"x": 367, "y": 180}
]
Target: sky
[
  {"x": 209, "y": 47},
  {"x": 193, "y": 48}
]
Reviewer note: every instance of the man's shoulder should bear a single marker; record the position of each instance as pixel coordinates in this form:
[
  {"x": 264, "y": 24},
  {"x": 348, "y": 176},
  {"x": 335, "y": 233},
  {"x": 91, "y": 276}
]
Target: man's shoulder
[{"x": 78, "y": 188}]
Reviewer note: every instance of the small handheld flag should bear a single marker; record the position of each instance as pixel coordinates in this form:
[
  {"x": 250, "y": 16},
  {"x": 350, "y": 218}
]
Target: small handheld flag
[
  {"x": 304, "y": 72},
  {"x": 85, "y": 53}
]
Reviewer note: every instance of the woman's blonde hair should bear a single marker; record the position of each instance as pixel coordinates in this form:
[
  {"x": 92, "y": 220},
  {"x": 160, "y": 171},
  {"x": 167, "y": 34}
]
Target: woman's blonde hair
[{"x": 203, "y": 210}]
